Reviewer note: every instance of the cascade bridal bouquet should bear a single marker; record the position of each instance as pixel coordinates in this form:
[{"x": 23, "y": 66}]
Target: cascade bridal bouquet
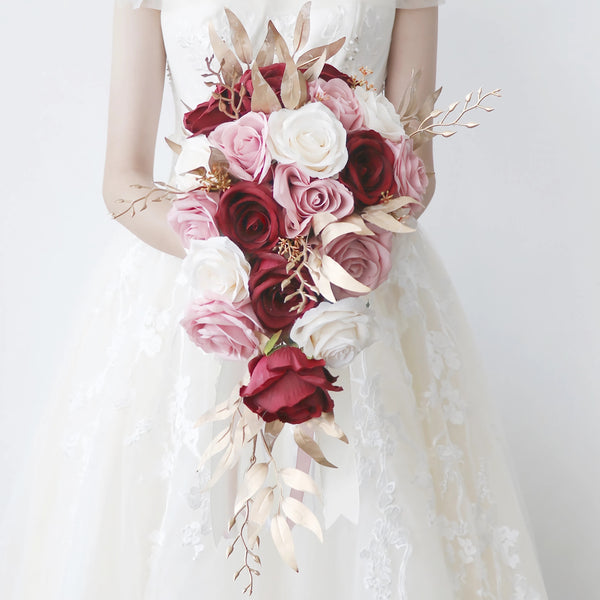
[{"x": 291, "y": 183}]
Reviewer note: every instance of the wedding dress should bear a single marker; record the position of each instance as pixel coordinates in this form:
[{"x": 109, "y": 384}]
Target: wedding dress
[{"x": 422, "y": 506}]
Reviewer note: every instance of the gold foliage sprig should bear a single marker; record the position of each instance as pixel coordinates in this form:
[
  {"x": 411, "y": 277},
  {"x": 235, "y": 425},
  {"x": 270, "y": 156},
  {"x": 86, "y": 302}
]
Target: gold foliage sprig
[
  {"x": 298, "y": 71},
  {"x": 418, "y": 118},
  {"x": 428, "y": 126},
  {"x": 296, "y": 252},
  {"x": 157, "y": 193},
  {"x": 263, "y": 491}
]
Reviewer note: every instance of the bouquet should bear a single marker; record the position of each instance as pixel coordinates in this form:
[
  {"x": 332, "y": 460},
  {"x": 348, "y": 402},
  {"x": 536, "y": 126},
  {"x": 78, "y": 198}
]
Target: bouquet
[{"x": 292, "y": 183}]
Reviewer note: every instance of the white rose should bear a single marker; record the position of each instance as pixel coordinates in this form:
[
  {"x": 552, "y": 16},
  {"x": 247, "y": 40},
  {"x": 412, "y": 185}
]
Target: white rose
[
  {"x": 216, "y": 268},
  {"x": 335, "y": 332},
  {"x": 312, "y": 137},
  {"x": 379, "y": 114},
  {"x": 195, "y": 152}
]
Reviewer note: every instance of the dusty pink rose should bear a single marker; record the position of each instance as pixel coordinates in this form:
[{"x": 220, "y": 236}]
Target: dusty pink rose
[
  {"x": 222, "y": 328},
  {"x": 366, "y": 257},
  {"x": 339, "y": 97},
  {"x": 409, "y": 169},
  {"x": 192, "y": 216},
  {"x": 302, "y": 198},
  {"x": 244, "y": 144}
]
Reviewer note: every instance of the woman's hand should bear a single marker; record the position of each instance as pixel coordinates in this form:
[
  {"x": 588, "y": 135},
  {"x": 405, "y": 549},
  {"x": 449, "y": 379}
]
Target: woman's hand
[
  {"x": 136, "y": 91},
  {"x": 414, "y": 46}
]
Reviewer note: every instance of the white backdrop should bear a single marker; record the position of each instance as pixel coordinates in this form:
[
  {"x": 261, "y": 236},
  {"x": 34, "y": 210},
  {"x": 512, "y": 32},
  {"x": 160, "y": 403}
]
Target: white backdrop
[{"x": 515, "y": 218}]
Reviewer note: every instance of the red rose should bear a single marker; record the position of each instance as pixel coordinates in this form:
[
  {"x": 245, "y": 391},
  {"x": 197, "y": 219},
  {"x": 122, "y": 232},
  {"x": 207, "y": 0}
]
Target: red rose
[
  {"x": 330, "y": 72},
  {"x": 249, "y": 216},
  {"x": 207, "y": 116},
  {"x": 268, "y": 299},
  {"x": 288, "y": 386},
  {"x": 369, "y": 172}
]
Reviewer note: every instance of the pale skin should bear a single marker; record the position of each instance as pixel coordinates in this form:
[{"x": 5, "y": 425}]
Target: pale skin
[{"x": 136, "y": 90}]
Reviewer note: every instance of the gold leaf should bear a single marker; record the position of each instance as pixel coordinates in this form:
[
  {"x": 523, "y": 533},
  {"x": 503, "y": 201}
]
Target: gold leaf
[
  {"x": 387, "y": 222},
  {"x": 282, "y": 538},
  {"x": 308, "y": 58},
  {"x": 293, "y": 86},
  {"x": 261, "y": 508},
  {"x": 229, "y": 551},
  {"x": 264, "y": 99},
  {"x": 173, "y": 145},
  {"x": 448, "y": 134},
  {"x": 468, "y": 97},
  {"x": 219, "y": 413},
  {"x": 231, "y": 70},
  {"x": 320, "y": 220},
  {"x": 328, "y": 425},
  {"x": 313, "y": 72},
  {"x": 253, "y": 479},
  {"x": 266, "y": 54},
  {"x": 217, "y": 160},
  {"x": 281, "y": 48},
  {"x": 300, "y": 514},
  {"x": 471, "y": 125},
  {"x": 351, "y": 224},
  {"x": 452, "y": 107},
  {"x": 299, "y": 480},
  {"x": 337, "y": 275},
  {"x": 306, "y": 443},
  {"x": 272, "y": 431},
  {"x": 302, "y": 29},
  {"x": 239, "y": 38},
  {"x": 218, "y": 443}
]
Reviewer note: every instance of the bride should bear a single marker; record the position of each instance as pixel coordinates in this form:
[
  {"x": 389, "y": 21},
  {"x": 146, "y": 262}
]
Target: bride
[{"x": 422, "y": 506}]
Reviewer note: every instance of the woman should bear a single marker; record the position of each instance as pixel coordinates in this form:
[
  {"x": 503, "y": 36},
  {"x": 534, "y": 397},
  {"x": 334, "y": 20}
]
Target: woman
[{"x": 422, "y": 505}]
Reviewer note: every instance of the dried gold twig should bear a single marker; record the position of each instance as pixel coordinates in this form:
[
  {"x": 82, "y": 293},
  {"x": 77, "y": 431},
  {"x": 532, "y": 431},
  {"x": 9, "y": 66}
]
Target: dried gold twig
[
  {"x": 162, "y": 189},
  {"x": 296, "y": 252},
  {"x": 429, "y": 129}
]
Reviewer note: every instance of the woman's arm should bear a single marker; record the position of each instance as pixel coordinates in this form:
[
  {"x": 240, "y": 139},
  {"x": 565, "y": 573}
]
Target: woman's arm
[
  {"x": 136, "y": 91},
  {"x": 414, "y": 46}
]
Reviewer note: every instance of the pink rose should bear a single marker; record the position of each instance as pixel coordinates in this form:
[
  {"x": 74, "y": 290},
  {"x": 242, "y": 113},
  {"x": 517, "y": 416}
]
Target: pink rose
[
  {"x": 302, "y": 198},
  {"x": 409, "y": 169},
  {"x": 366, "y": 257},
  {"x": 339, "y": 97},
  {"x": 244, "y": 144},
  {"x": 222, "y": 328},
  {"x": 193, "y": 216}
]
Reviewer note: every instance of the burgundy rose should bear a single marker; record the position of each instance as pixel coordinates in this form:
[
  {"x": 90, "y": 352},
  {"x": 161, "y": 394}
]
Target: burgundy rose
[
  {"x": 366, "y": 257},
  {"x": 330, "y": 72},
  {"x": 207, "y": 115},
  {"x": 249, "y": 216},
  {"x": 369, "y": 173},
  {"x": 288, "y": 386},
  {"x": 268, "y": 299}
]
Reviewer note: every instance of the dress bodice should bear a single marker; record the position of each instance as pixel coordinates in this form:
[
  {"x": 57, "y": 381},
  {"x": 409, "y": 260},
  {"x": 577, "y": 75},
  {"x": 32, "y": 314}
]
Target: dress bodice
[{"x": 366, "y": 24}]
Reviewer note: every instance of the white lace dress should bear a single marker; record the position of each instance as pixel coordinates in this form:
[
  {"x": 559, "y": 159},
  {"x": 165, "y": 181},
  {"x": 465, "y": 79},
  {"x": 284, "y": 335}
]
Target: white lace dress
[{"x": 423, "y": 506}]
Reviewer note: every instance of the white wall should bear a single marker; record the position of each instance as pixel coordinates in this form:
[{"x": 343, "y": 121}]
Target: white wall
[{"x": 514, "y": 217}]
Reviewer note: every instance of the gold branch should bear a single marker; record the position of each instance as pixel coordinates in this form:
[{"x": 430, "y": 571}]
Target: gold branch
[{"x": 429, "y": 128}]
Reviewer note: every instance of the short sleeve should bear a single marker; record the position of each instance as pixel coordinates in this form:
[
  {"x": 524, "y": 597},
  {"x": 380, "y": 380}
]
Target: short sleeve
[{"x": 418, "y": 3}]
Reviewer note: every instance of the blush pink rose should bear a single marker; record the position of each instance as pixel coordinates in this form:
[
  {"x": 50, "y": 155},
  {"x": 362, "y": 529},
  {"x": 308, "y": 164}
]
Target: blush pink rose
[
  {"x": 302, "y": 198},
  {"x": 244, "y": 144},
  {"x": 409, "y": 169},
  {"x": 366, "y": 257},
  {"x": 222, "y": 328},
  {"x": 193, "y": 217},
  {"x": 339, "y": 97}
]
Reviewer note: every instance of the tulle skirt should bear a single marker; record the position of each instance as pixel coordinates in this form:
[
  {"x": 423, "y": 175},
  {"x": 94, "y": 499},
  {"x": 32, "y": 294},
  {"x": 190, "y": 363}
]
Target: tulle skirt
[{"x": 423, "y": 505}]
